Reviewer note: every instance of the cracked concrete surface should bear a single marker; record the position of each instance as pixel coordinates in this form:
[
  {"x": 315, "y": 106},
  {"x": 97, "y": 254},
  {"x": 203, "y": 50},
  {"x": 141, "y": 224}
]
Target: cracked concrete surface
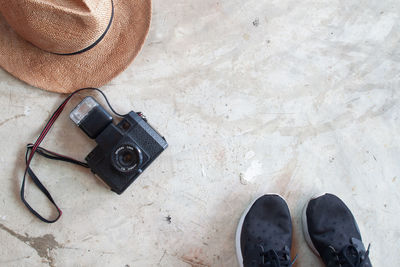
[{"x": 288, "y": 97}]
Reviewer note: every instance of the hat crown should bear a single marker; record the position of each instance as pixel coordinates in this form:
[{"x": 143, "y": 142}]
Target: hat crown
[{"x": 58, "y": 26}]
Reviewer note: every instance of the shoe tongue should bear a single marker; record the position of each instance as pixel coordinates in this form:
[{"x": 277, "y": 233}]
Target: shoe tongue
[
  {"x": 351, "y": 255},
  {"x": 358, "y": 244},
  {"x": 271, "y": 259}
]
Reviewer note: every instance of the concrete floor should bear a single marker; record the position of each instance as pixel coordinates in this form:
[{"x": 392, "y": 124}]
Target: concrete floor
[{"x": 289, "y": 97}]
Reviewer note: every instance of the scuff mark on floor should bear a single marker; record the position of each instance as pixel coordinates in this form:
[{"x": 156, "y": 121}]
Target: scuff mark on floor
[
  {"x": 162, "y": 257},
  {"x": 251, "y": 173},
  {"x": 194, "y": 262},
  {"x": 42, "y": 245},
  {"x": 195, "y": 258},
  {"x": 256, "y": 22},
  {"x": 12, "y": 118}
]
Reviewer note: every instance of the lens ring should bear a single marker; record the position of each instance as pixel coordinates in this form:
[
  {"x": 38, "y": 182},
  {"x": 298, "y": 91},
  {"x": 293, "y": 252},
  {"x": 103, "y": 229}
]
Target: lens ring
[{"x": 127, "y": 158}]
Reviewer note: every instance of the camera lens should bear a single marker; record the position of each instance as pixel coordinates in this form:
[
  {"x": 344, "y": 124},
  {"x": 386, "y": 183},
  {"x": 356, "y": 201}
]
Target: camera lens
[{"x": 126, "y": 158}]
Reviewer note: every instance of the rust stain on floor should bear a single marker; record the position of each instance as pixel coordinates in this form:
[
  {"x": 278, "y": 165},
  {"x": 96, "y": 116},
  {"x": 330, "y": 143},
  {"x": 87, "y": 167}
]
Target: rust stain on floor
[{"x": 42, "y": 245}]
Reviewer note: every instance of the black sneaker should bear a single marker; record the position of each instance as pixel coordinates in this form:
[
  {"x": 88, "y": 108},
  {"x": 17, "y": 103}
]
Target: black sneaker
[
  {"x": 332, "y": 233},
  {"x": 264, "y": 233}
]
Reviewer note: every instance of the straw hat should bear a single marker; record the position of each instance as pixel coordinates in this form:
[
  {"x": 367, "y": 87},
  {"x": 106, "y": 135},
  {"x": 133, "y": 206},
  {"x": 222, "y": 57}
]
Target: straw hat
[{"x": 62, "y": 46}]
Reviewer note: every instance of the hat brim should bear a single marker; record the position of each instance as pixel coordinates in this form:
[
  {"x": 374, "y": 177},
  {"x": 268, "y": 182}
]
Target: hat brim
[{"x": 93, "y": 68}]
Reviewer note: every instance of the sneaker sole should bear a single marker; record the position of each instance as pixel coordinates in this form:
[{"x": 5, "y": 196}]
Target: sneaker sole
[
  {"x": 240, "y": 226},
  {"x": 307, "y": 236},
  {"x": 306, "y": 233}
]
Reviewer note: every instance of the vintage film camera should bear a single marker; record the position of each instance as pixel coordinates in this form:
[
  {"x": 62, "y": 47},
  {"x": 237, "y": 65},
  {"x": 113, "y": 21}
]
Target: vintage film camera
[{"x": 123, "y": 150}]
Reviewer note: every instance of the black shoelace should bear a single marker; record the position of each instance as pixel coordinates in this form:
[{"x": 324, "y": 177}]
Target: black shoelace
[
  {"x": 349, "y": 256},
  {"x": 272, "y": 258}
]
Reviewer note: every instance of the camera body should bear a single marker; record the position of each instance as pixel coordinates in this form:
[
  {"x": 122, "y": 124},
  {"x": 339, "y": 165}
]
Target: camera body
[{"x": 123, "y": 150}]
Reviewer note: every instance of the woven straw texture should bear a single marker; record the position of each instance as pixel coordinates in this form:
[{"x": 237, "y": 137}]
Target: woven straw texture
[{"x": 31, "y": 31}]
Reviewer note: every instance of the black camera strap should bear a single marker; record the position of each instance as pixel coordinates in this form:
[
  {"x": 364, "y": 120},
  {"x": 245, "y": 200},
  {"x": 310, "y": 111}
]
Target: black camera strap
[{"x": 31, "y": 149}]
